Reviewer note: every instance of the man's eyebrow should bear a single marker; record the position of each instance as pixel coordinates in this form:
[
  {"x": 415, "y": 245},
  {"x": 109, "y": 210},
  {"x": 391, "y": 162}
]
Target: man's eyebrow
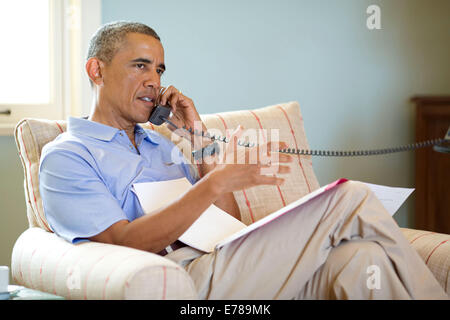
[{"x": 144, "y": 60}]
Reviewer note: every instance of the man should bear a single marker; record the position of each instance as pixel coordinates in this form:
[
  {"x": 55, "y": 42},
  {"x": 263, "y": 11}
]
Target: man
[{"x": 321, "y": 251}]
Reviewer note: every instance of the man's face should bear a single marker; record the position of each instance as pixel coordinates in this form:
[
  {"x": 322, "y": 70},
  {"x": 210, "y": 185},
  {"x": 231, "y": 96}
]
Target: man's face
[{"x": 131, "y": 81}]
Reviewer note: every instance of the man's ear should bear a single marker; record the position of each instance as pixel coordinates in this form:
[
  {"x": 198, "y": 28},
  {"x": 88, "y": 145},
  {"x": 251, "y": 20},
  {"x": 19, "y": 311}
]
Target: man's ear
[{"x": 94, "y": 70}]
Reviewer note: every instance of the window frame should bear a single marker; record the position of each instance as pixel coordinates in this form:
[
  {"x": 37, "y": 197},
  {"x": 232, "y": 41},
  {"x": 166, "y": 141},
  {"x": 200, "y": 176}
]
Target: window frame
[{"x": 68, "y": 36}]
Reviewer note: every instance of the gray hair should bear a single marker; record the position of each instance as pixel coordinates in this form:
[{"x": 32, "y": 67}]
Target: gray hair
[{"x": 108, "y": 38}]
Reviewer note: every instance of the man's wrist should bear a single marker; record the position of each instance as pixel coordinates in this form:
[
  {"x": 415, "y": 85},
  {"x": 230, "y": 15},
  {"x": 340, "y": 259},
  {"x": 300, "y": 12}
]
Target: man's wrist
[{"x": 215, "y": 182}]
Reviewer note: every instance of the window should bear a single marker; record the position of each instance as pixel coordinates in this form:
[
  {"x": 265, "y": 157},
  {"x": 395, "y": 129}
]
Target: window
[
  {"x": 25, "y": 56},
  {"x": 41, "y": 60}
]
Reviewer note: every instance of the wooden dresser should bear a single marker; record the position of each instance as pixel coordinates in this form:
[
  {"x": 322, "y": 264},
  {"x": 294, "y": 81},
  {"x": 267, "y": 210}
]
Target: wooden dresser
[{"x": 432, "y": 210}]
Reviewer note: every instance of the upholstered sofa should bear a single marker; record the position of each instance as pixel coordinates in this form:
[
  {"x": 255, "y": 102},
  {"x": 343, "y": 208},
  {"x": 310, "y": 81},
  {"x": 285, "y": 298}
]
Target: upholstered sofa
[{"x": 41, "y": 260}]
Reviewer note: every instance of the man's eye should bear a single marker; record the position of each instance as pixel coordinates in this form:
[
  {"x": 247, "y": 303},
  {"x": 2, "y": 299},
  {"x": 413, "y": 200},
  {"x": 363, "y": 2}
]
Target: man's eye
[
  {"x": 160, "y": 71},
  {"x": 140, "y": 66}
]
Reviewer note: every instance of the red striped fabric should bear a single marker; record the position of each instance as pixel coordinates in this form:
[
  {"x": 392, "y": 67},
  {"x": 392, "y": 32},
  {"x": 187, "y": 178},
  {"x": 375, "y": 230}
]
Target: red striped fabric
[
  {"x": 90, "y": 270},
  {"x": 243, "y": 191},
  {"x": 223, "y": 122},
  {"x": 425, "y": 234},
  {"x": 113, "y": 270},
  {"x": 435, "y": 250},
  {"x": 60, "y": 129},
  {"x": 20, "y": 265},
  {"x": 40, "y": 269},
  {"x": 32, "y": 184},
  {"x": 56, "y": 269},
  {"x": 296, "y": 146},
  {"x": 265, "y": 141},
  {"x": 29, "y": 270},
  {"x": 77, "y": 263}
]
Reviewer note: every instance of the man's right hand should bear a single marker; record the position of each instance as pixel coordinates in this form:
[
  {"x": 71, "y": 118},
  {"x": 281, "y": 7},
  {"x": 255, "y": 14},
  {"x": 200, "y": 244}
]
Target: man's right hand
[{"x": 242, "y": 167}]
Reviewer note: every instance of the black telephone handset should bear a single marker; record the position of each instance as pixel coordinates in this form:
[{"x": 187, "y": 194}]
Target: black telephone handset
[{"x": 159, "y": 115}]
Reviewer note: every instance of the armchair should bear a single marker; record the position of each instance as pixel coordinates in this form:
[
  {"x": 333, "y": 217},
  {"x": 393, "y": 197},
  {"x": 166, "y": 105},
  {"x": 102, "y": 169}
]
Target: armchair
[{"x": 89, "y": 270}]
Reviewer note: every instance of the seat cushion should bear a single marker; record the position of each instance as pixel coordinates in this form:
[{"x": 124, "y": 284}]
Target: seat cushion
[{"x": 284, "y": 120}]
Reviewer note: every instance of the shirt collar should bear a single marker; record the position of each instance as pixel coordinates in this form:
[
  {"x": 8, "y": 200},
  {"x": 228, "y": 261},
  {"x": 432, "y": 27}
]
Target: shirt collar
[
  {"x": 149, "y": 135},
  {"x": 103, "y": 132}
]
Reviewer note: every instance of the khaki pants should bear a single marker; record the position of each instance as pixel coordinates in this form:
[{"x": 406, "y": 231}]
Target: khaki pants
[{"x": 340, "y": 245}]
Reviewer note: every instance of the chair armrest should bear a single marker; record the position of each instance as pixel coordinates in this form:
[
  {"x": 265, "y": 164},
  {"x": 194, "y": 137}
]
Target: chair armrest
[
  {"x": 434, "y": 249},
  {"x": 90, "y": 270}
]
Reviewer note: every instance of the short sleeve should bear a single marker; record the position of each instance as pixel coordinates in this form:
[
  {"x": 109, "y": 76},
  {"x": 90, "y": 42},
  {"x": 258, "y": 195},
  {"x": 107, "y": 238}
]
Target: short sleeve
[
  {"x": 76, "y": 201},
  {"x": 188, "y": 169}
]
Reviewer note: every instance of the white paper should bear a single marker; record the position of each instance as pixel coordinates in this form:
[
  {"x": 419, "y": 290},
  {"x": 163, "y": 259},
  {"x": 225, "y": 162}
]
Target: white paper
[
  {"x": 391, "y": 197},
  {"x": 210, "y": 228},
  {"x": 157, "y": 194},
  {"x": 213, "y": 225},
  {"x": 215, "y": 228}
]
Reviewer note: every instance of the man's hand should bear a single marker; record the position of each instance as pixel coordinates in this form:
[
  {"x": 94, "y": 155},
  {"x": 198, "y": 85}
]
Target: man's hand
[
  {"x": 183, "y": 109},
  {"x": 243, "y": 167}
]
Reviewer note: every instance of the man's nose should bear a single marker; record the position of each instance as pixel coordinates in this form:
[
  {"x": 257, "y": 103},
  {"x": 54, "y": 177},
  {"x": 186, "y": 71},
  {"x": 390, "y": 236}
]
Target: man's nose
[{"x": 152, "y": 81}]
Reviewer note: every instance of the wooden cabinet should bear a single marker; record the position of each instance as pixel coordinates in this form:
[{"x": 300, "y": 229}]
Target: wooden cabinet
[{"x": 432, "y": 210}]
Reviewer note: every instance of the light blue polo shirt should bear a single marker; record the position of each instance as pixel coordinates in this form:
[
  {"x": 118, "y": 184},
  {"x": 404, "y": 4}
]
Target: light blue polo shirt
[{"x": 86, "y": 176}]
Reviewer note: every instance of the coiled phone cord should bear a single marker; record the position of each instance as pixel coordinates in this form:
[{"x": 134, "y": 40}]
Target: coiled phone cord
[{"x": 323, "y": 153}]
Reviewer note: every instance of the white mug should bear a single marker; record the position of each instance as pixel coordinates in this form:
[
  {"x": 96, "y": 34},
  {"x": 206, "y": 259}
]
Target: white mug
[{"x": 4, "y": 278}]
